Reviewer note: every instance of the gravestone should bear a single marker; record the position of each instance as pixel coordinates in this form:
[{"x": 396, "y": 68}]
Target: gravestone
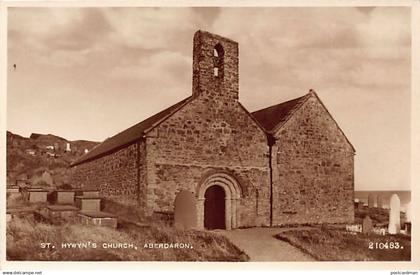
[
  {"x": 37, "y": 195},
  {"x": 394, "y": 225},
  {"x": 408, "y": 212},
  {"x": 371, "y": 201},
  {"x": 367, "y": 225},
  {"x": 185, "y": 214},
  {"x": 356, "y": 203},
  {"x": 361, "y": 205},
  {"x": 408, "y": 219},
  {"x": 380, "y": 202},
  {"x": 65, "y": 196},
  {"x": 88, "y": 203}
]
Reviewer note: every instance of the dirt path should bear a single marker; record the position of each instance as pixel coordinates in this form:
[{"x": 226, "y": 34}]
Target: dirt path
[{"x": 260, "y": 245}]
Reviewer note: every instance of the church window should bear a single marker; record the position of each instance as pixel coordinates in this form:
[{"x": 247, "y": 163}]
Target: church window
[{"x": 218, "y": 60}]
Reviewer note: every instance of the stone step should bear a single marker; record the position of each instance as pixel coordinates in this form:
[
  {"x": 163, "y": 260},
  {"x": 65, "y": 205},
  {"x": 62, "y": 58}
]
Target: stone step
[{"x": 98, "y": 218}]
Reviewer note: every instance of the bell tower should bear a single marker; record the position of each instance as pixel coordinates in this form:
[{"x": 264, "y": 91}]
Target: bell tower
[{"x": 215, "y": 67}]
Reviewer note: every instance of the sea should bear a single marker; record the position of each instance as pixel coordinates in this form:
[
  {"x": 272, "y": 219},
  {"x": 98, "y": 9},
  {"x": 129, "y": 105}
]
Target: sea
[{"x": 404, "y": 195}]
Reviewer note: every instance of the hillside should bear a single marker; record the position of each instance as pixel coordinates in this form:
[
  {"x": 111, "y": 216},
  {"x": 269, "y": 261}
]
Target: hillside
[{"x": 42, "y": 159}]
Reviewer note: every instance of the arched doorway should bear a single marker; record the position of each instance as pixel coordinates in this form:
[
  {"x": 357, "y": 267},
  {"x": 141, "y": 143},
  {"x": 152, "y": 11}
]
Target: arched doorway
[
  {"x": 211, "y": 187},
  {"x": 214, "y": 208}
]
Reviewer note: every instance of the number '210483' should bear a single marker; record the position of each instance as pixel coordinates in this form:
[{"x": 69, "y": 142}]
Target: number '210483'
[{"x": 385, "y": 245}]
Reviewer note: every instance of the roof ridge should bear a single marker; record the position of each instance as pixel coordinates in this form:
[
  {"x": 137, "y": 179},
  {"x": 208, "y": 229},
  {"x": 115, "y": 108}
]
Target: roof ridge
[
  {"x": 270, "y": 117},
  {"x": 275, "y": 105},
  {"x": 131, "y": 134}
]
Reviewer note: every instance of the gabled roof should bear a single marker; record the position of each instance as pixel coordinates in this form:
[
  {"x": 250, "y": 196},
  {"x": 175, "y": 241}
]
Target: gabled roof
[
  {"x": 274, "y": 115},
  {"x": 129, "y": 135}
]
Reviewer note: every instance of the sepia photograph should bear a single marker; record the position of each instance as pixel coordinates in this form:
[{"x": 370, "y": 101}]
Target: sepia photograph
[{"x": 209, "y": 134}]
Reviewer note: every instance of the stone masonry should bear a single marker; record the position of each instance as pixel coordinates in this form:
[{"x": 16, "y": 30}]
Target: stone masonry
[
  {"x": 301, "y": 171},
  {"x": 312, "y": 168}
]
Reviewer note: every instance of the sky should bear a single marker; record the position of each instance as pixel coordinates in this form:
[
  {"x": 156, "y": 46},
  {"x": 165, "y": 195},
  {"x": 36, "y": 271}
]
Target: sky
[{"x": 89, "y": 73}]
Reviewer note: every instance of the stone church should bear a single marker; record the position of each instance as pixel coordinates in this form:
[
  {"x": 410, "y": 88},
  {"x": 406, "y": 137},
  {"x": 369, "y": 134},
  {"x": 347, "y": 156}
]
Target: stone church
[{"x": 286, "y": 164}]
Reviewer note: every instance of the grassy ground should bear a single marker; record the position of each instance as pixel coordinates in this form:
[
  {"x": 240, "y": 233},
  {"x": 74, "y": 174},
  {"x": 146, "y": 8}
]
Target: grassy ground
[
  {"x": 24, "y": 238},
  {"x": 331, "y": 244}
]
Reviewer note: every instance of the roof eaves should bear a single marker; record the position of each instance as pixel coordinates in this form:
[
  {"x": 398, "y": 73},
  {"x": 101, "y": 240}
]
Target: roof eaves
[{"x": 157, "y": 123}]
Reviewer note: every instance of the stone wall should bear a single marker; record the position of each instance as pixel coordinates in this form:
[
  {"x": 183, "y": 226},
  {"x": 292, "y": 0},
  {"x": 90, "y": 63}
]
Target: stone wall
[
  {"x": 115, "y": 175},
  {"x": 313, "y": 169},
  {"x": 201, "y": 138},
  {"x": 212, "y": 132}
]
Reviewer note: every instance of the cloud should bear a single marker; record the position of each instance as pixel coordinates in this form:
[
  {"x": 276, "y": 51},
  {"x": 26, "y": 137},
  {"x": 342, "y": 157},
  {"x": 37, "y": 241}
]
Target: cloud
[
  {"x": 166, "y": 66},
  {"x": 152, "y": 28},
  {"x": 57, "y": 36},
  {"x": 104, "y": 69}
]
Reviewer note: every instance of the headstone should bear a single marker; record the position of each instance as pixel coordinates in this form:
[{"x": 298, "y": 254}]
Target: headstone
[
  {"x": 98, "y": 218},
  {"x": 394, "y": 225},
  {"x": 380, "y": 202},
  {"x": 88, "y": 203},
  {"x": 361, "y": 205},
  {"x": 367, "y": 225},
  {"x": 8, "y": 217},
  {"x": 356, "y": 203},
  {"x": 35, "y": 196},
  {"x": 46, "y": 176},
  {"x": 185, "y": 214},
  {"x": 408, "y": 212},
  {"x": 65, "y": 196},
  {"x": 371, "y": 201}
]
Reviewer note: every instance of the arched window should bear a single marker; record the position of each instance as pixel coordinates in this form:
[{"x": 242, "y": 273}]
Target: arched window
[{"x": 218, "y": 62}]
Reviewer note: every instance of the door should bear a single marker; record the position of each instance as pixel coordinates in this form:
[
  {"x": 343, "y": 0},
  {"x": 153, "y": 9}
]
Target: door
[{"x": 214, "y": 208}]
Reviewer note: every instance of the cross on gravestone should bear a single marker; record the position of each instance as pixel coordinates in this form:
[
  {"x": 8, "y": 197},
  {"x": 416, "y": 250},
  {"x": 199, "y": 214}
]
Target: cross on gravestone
[
  {"x": 371, "y": 201},
  {"x": 367, "y": 226},
  {"x": 394, "y": 225}
]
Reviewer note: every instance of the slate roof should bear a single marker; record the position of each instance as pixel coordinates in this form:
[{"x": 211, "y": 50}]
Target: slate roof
[
  {"x": 272, "y": 116},
  {"x": 129, "y": 135}
]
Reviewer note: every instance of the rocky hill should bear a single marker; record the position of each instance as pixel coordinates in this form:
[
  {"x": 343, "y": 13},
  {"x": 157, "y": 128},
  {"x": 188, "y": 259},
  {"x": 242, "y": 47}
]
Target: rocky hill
[{"x": 42, "y": 159}]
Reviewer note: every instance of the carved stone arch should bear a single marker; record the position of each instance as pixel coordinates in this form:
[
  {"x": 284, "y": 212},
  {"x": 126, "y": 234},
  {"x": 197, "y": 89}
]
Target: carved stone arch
[
  {"x": 233, "y": 194},
  {"x": 242, "y": 184}
]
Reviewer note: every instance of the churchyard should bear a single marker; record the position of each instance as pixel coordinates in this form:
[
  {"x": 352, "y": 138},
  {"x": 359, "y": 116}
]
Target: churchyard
[
  {"x": 80, "y": 225},
  {"x": 64, "y": 226},
  {"x": 377, "y": 234}
]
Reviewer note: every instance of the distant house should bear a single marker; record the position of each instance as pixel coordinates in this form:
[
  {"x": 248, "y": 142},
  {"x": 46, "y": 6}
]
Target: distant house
[{"x": 31, "y": 152}]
